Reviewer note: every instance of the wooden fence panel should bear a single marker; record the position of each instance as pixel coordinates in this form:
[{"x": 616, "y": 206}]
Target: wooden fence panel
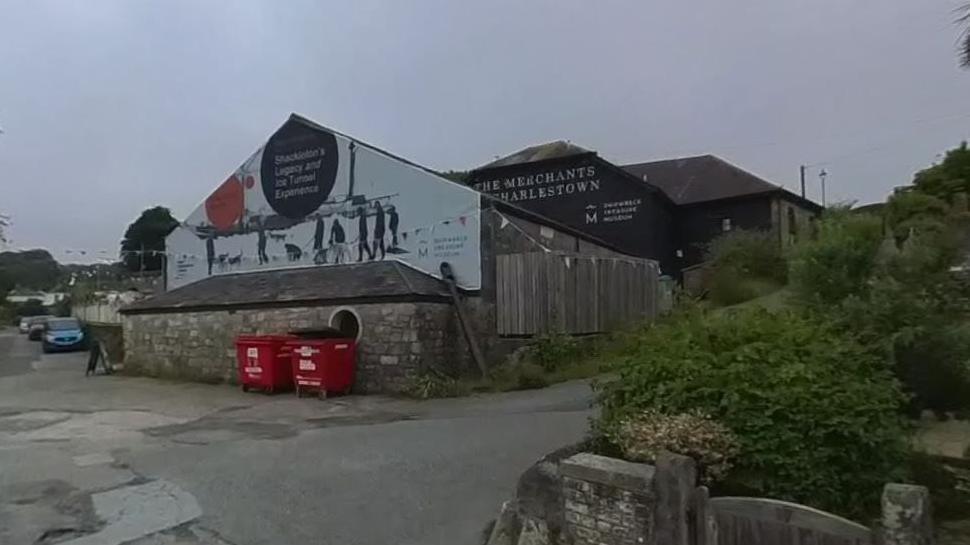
[
  {"x": 544, "y": 292},
  {"x": 762, "y": 521}
]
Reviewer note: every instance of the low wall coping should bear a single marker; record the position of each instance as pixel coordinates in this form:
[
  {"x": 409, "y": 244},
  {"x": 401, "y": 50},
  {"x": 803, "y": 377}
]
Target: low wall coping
[{"x": 609, "y": 471}]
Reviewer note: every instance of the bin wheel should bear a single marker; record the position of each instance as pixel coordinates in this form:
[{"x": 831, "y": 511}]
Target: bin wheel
[
  {"x": 269, "y": 391},
  {"x": 245, "y": 387},
  {"x": 346, "y": 391},
  {"x": 323, "y": 393},
  {"x": 299, "y": 392}
]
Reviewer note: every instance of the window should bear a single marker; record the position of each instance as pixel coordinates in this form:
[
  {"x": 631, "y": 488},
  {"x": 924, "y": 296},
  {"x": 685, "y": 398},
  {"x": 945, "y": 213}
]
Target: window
[{"x": 726, "y": 224}]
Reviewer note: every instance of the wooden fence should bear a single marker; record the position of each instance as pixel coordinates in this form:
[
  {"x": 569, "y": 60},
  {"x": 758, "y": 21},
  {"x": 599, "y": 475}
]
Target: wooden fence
[
  {"x": 763, "y": 521},
  {"x": 544, "y": 292}
]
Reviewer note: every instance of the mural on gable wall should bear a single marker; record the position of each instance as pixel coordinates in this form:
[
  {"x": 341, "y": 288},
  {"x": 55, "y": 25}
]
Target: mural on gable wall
[{"x": 312, "y": 197}]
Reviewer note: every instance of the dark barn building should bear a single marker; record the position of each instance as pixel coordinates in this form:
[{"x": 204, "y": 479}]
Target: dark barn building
[
  {"x": 665, "y": 210},
  {"x": 580, "y": 189},
  {"x": 714, "y": 196}
]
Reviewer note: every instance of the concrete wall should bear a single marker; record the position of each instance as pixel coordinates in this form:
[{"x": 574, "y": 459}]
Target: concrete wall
[{"x": 397, "y": 341}]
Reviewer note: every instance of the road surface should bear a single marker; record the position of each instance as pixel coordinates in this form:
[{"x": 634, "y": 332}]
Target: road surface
[{"x": 112, "y": 459}]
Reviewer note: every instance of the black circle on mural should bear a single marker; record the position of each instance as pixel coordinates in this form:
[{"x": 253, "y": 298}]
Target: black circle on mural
[{"x": 298, "y": 169}]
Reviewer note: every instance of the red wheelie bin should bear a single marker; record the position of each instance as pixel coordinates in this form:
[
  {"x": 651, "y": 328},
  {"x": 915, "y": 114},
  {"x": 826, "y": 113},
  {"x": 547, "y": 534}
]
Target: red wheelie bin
[
  {"x": 323, "y": 366},
  {"x": 264, "y": 362}
]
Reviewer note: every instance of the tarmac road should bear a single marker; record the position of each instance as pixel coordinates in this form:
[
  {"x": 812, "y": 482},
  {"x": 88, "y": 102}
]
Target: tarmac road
[{"x": 134, "y": 460}]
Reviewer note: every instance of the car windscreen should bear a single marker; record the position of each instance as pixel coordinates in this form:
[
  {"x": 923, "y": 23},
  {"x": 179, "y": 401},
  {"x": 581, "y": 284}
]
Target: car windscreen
[
  {"x": 38, "y": 320},
  {"x": 63, "y": 325}
]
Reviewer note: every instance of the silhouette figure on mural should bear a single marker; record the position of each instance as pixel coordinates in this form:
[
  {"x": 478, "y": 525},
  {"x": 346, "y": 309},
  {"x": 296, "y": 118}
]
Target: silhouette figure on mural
[
  {"x": 210, "y": 251},
  {"x": 261, "y": 243},
  {"x": 362, "y": 235},
  {"x": 392, "y": 224},
  {"x": 378, "y": 231},
  {"x": 338, "y": 242},
  {"x": 318, "y": 231}
]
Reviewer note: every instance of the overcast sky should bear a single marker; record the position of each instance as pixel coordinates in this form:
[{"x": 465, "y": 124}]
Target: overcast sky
[{"x": 110, "y": 107}]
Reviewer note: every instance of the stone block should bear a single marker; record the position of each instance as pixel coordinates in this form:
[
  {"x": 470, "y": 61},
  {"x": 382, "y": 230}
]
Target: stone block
[
  {"x": 611, "y": 472},
  {"x": 906, "y": 515},
  {"x": 388, "y": 360}
]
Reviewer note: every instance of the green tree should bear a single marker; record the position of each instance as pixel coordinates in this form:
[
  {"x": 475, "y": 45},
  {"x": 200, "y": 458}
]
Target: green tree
[
  {"x": 30, "y": 269},
  {"x": 949, "y": 177},
  {"x": 964, "y": 21},
  {"x": 908, "y": 211},
  {"x": 143, "y": 245},
  {"x": 839, "y": 261}
]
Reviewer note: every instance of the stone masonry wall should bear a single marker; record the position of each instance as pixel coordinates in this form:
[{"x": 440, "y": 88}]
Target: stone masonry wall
[
  {"x": 607, "y": 501},
  {"x": 397, "y": 341}
]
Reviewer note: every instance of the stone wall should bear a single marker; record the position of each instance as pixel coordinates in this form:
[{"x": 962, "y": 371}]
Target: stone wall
[
  {"x": 579, "y": 498},
  {"x": 397, "y": 340},
  {"x": 607, "y": 501}
]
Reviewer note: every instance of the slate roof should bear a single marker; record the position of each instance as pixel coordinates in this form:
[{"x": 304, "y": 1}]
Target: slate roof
[
  {"x": 286, "y": 287},
  {"x": 690, "y": 180},
  {"x": 549, "y": 150}
]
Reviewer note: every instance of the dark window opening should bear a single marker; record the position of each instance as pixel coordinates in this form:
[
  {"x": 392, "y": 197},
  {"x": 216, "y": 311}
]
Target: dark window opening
[{"x": 347, "y": 323}]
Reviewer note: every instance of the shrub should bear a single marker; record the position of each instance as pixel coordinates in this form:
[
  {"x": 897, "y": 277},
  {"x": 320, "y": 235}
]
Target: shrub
[
  {"x": 642, "y": 437},
  {"x": 553, "y": 350},
  {"x": 815, "y": 414},
  {"x": 933, "y": 366},
  {"x": 432, "y": 385},
  {"x": 754, "y": 254},
  {"x": 529, "y": 376},
  {"x": 729, "y": 287},
  {"x": 839, "y": 261},
  {"x": 744, "y": 265},
  {"x": 911, "y": 316},
  {"x": 910, "y": 208}
]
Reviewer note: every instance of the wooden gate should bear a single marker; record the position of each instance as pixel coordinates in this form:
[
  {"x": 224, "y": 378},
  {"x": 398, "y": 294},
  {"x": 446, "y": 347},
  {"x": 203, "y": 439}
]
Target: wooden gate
[{"x": 762, "y": 521}]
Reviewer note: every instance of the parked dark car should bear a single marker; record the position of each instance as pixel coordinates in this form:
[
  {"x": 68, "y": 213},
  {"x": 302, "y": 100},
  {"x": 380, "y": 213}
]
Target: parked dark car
[
  {"x": 35, "y": 327},
  {"x": 64, "y": 334}
]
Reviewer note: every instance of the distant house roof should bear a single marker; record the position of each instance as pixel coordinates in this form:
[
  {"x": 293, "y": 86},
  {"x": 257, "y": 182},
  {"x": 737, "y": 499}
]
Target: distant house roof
[
  {"x": 691, "y": 180},
  {"x": 549, "y": 150},
  {"x": 363, "y": 282}
]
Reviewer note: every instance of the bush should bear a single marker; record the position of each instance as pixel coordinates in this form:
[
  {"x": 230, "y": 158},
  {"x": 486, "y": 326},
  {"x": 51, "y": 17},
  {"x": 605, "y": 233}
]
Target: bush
[
  {"x": 644, "y": 435},
  {"x": 432, "y": 385},
  {"x": 933, "y": 366},
  {"x": 754, "y": 254},
  {"x": 839, "y": 261},
  {"x": 729, "y": 287},
  {"x": 529, "y": 376},
  {"x": 552, "y": 351},
  {"x": 744, "y": 265},
  {"x": 911, "y": 316},
  {"x": 815, "y": 414}
]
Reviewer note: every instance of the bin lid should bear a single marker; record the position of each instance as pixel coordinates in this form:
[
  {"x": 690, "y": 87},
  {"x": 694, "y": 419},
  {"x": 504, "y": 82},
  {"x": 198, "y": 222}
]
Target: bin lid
[
  {"x": 264, "y": 338},
  {"x": 319, "y": 333}
]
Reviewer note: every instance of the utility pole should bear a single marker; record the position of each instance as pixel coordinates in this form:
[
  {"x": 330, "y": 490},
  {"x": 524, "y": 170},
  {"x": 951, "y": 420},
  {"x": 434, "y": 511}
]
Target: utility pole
[
  {"x": 821, "y": 177},
  {"x": 801, "y": 174}
]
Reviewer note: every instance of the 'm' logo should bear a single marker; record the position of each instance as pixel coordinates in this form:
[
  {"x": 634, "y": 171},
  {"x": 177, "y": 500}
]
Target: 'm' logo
[{"x": 592, "y": 217}]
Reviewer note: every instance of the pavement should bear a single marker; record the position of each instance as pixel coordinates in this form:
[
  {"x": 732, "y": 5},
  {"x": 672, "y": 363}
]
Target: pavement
[{"x": 111, "y": 460}]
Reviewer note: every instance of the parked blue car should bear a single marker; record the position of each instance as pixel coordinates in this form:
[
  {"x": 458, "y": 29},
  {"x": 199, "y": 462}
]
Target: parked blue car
[{"x": 63, "y": 334}]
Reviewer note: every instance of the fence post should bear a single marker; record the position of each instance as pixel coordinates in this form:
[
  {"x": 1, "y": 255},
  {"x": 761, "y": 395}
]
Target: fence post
[
  {"x": 675, "y": 482},
  {"x": 906, "y": 515}
]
